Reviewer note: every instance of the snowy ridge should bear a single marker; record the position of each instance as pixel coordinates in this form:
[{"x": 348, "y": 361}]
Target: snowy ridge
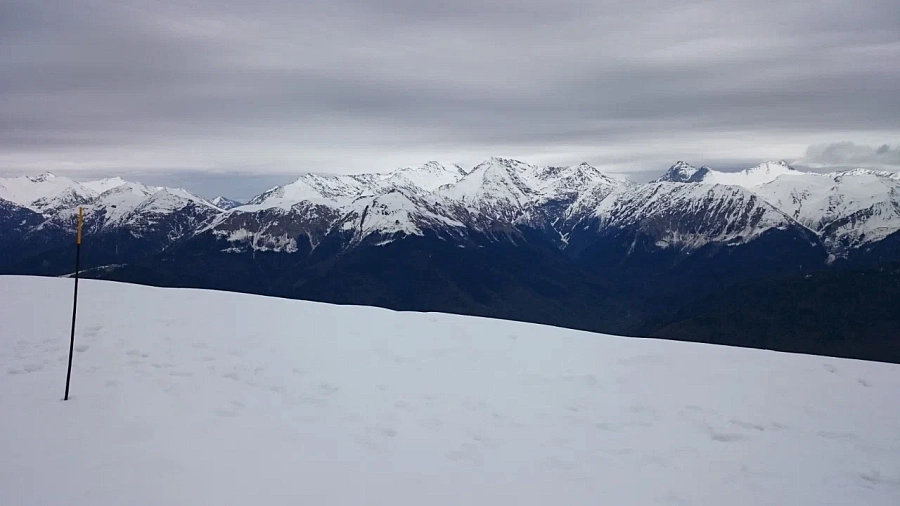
[
  {"x": 428, "y": 177},
  {"x": 499, "y": 194},
  {"x": 395, "y": 213},
  {"x": 134, "y": 205},
  {"x": 510, "y": 190},
  {"x": 342, "y": 189},
  {"x": 498, "y": 198},
  {"x": 690, "y": 216},
  {"x": 565, "y": 184},
  {"x": 48, "y": 193},
  {"x": 43, "y": 192},
  {"x": 102, "y": 185},
  {"x": 109, "y": 204},
  {"x": 160, "y": 207},
  {"x": 682, "y": 172},
  {"x": 313, "y": 187},
  {"x": 587, "y": 201},
  {"x": 748, "y": 178},
  {"x": 67, "y": 198},
  {"x": 499, "y": 188},
  {"x": 848, "y": 209}
]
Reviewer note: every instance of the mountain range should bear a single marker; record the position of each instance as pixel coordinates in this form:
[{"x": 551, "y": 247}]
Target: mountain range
[{"x": 568, "y": 245}]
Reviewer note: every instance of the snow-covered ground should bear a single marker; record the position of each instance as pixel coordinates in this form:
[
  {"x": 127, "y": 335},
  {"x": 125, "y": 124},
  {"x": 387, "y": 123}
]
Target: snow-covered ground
[{"x": 197, "y": 397}]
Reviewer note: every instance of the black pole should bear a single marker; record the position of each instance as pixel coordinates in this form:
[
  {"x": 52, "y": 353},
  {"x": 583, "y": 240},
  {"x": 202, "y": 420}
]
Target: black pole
[{"x": 74, "y": 302}]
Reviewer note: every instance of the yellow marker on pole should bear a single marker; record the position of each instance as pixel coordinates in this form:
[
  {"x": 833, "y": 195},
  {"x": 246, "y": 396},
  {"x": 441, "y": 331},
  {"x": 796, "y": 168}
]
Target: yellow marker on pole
[
  {"x": 80, "y": 221},
  {"x": 75, "y": 301}
]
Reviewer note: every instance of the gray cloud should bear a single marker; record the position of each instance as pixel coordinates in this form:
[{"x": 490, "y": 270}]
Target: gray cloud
[
  {"x": 846, "y": 154},
  {"x": 277, "y": 86}
]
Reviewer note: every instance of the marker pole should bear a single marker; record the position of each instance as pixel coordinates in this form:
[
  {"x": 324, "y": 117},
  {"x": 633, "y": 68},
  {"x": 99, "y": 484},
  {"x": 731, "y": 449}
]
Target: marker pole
[{"x": 75, "y": 299}]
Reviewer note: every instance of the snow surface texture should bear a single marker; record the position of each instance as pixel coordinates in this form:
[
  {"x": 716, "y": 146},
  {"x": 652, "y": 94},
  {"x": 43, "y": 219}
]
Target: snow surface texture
[{"x": 196, "y": 397}]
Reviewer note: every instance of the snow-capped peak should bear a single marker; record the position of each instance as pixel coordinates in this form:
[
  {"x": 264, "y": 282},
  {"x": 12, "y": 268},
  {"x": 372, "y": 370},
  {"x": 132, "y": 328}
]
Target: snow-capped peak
[
  {"x": 102, "y": 185},
  {"x": 328, "y": 189},
  {"x": 496, "y": 178},
  {"x": 680, "y": 172},
  {"x": 689, "y": 216},
  {"x": 225, "y": 203},
  {"x": 133, "y": 189},
  {"x": 41, "y": 178},
  {"x": 164, "y": 202},
  {"x": 848, "y": 208},
  {"x": 772, "y": 167},
  {"x": 39, "y": 192},
  {"x": 429, "y": 177},
  {"x": 396, "y": 212},
  {"x": 761, "y": 174}
]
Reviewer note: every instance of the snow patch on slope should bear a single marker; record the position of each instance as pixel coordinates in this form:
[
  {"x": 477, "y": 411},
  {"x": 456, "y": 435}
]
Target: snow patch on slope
[
  {"x": 259, "y": 241},
  {"x": 690, "y": 216}
]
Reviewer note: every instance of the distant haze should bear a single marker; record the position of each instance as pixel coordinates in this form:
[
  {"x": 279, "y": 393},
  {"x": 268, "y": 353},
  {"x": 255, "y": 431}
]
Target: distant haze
[{"x": 238, "y": 96}]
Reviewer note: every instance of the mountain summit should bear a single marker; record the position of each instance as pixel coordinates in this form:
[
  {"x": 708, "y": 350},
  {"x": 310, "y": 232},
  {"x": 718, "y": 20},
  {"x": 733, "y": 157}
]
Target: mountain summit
[{"x": 680, "y": 172}]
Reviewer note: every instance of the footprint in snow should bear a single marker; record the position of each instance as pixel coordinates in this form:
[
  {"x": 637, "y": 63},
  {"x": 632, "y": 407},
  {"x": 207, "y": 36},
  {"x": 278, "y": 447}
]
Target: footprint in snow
[
  {"x": 328, "y": 389},
  {"x": 749, "y": 425},
  {"x": 467, "y": 453},
  {"x": 836, "y": 435},
  {"x": 727, "y": 438},
  {"x": 26, "y": 369},
  {"x": 91, "y": 331},
  {"x": 612, "y": 427}
]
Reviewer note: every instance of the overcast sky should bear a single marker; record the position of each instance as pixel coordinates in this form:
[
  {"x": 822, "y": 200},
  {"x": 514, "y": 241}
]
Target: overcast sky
[{"x": 236, "y": 96}]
